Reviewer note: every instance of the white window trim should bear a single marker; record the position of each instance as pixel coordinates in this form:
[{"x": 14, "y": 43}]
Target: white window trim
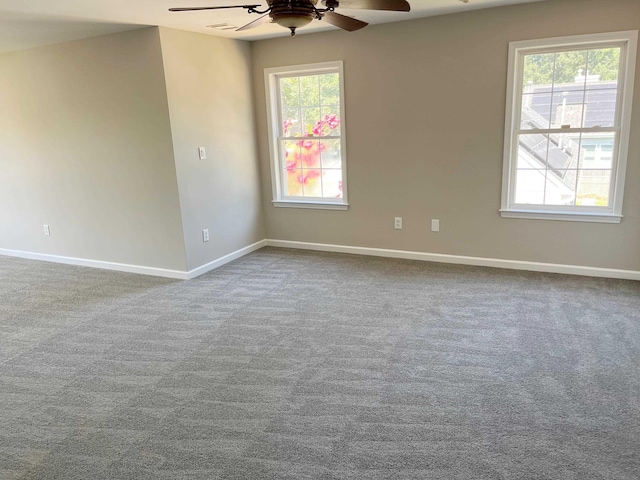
[
  {"x": 612, "y": 213},
  {"x": 270, "y": 77}
]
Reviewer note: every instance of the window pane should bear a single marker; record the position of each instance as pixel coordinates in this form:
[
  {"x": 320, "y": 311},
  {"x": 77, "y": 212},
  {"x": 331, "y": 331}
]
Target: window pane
[
  {"x": 310, "y": 90},
  {"x": 603, "y": 67},
  {"x": 564, "y": 152},
  {"x": 293, "y": 183},
  {"x": 289, "y": 92},
  {"x": 330, "y": 153},
  {"x": 538, "y": 70},
  {"x": 292, "y": 171},
  {"x": 596, "y": 150},
  {"x": 532, "y": 151},
  {"x": 311, "y": 183},
  {"x": 536, "y": 109},
  {"x": 569, "y": 69},
  {"x": 330, "y": 89},
  {"x": 310, "y": 119},
  {"x": 310, "y": 153},
  {"x": 330, "y": 121},
  {"x": 530, "y": 186},
  {"x": 560, "y": 187},
  {"x": 568, "y": 107},
  {"x": 291, "y": 125},
  {"x": 593, "y": 188},
  {"x": 600, "y": 108},
  {"x": 332, "y": 183}
]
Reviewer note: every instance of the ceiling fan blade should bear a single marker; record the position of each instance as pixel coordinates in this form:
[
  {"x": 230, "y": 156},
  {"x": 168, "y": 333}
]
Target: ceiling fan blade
[
  {"x": 191, "y": 9},
  {"x": 393, "y": 5},
  {"x": 256, "y": 23},
  {"x": 349, "y": 24}
]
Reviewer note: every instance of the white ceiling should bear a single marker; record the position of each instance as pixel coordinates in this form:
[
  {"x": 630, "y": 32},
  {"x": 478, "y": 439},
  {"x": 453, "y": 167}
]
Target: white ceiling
[{"x": 30, "y": 23}]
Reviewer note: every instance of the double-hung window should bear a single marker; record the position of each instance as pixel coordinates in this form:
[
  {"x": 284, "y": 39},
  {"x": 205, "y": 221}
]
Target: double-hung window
[
  {"x": 567, "y": 127},
  {"x": 305, "y": 110}
]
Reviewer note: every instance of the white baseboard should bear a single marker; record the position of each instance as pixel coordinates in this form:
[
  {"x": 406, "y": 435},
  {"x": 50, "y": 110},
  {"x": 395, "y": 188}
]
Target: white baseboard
[
  {"x": 86, "y": 262},
  {"x": 226, "y": 259},
  {"x": 124, "y": 267},
  {"x": 463, "y": 260},
  {"x": 325, "y": 247}
]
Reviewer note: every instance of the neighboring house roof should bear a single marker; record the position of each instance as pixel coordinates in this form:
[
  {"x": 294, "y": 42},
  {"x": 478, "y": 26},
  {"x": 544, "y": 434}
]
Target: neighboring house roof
[{"x": 600, "y": 100}]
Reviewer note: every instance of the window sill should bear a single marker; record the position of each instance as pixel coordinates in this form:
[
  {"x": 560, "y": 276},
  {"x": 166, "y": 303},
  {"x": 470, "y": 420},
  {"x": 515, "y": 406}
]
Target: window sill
[
  {"x": 563, "y": 216},
  {"x": 313, "y": 205}
]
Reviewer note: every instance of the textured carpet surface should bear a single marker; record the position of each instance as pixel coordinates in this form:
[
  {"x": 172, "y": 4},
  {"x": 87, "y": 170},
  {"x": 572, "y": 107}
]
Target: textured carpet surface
[{"x": 304, "y": 365}]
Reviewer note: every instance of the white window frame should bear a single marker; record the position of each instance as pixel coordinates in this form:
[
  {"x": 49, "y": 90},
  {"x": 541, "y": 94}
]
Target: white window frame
[
  {"x": 274, "y": 120},
  {"x": 628, "y": 41}
]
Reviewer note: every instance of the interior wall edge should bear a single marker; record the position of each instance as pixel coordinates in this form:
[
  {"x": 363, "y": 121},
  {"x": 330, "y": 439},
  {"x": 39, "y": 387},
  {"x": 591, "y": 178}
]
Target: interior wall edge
[{"x": 207, "y": 267}]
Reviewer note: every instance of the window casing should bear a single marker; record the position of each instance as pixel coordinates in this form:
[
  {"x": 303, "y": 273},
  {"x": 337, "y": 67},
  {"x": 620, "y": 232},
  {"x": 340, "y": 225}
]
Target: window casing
[
  {"x": 567, "y": 127},
  {"x": 305, "y": 108}
]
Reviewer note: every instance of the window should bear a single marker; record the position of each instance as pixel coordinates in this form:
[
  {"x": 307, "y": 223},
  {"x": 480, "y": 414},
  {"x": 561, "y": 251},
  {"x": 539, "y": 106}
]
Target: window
[
  {"x": 567, "y": 127},
  {"x": 305, "y": 110}
]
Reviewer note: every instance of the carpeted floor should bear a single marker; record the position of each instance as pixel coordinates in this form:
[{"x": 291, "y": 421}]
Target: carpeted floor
[{"x": 305, "y": 365}]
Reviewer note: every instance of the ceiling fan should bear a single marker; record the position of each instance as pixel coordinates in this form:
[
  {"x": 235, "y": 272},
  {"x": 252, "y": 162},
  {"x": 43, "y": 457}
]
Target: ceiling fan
[{"x": 294, "y": 14}]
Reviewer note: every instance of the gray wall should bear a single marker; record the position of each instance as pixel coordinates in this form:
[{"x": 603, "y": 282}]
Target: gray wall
[
  {"x": 95, "y": 144},
  {"x": 85, "y": 146},
  {"x": 425, "y": 104},
  {"x": 210, "y": 104}
]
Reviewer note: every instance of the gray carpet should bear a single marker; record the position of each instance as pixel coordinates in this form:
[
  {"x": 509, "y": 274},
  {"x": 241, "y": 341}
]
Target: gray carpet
[{"x": 305, "y": 365}]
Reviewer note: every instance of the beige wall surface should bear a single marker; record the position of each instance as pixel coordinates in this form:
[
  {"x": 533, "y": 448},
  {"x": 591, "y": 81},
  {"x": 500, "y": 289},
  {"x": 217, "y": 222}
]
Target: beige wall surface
[
  {"x": 425, "y": 105},
  {"x": 210, "y": 104},
  {"x": 85, "y": 147}
]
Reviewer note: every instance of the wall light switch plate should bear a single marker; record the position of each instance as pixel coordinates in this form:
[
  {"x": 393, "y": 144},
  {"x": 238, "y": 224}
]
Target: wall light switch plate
[
  {"x": 205, "y": 235},
  {"x": 47, "y": 232},
  {"x": 435, "y": 225},
  {"x": 202, "y": 153}
]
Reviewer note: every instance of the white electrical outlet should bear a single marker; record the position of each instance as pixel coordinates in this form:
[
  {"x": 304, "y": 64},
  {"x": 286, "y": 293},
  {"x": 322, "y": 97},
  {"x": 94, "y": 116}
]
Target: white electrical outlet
[
  {"x": 397, "y": 223},
  {"x": 47, "y": 232},
  {"x": 205, "y": 235},
  {"x": 202, "y": 153},
  {"x": 435, "y": 225}
]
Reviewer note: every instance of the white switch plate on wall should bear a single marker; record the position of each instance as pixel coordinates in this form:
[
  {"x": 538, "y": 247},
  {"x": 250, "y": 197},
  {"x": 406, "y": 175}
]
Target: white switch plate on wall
[
  {"x": 205, "y": 235},
  {"x": 202, "y": 153},
  {"x": 435, "y": 225},
  {"x": 47, "y": 232}
]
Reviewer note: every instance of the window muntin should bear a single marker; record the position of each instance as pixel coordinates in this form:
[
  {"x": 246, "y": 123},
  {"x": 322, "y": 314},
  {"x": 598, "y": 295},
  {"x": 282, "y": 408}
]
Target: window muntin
[
  {"x": 307, "y": 135},
  {"x": 568, "y": 124}
]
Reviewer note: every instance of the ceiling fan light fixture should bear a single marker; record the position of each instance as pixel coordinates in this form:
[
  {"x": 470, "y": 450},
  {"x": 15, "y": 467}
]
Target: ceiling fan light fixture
[{"x": 293, "y": 20}]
